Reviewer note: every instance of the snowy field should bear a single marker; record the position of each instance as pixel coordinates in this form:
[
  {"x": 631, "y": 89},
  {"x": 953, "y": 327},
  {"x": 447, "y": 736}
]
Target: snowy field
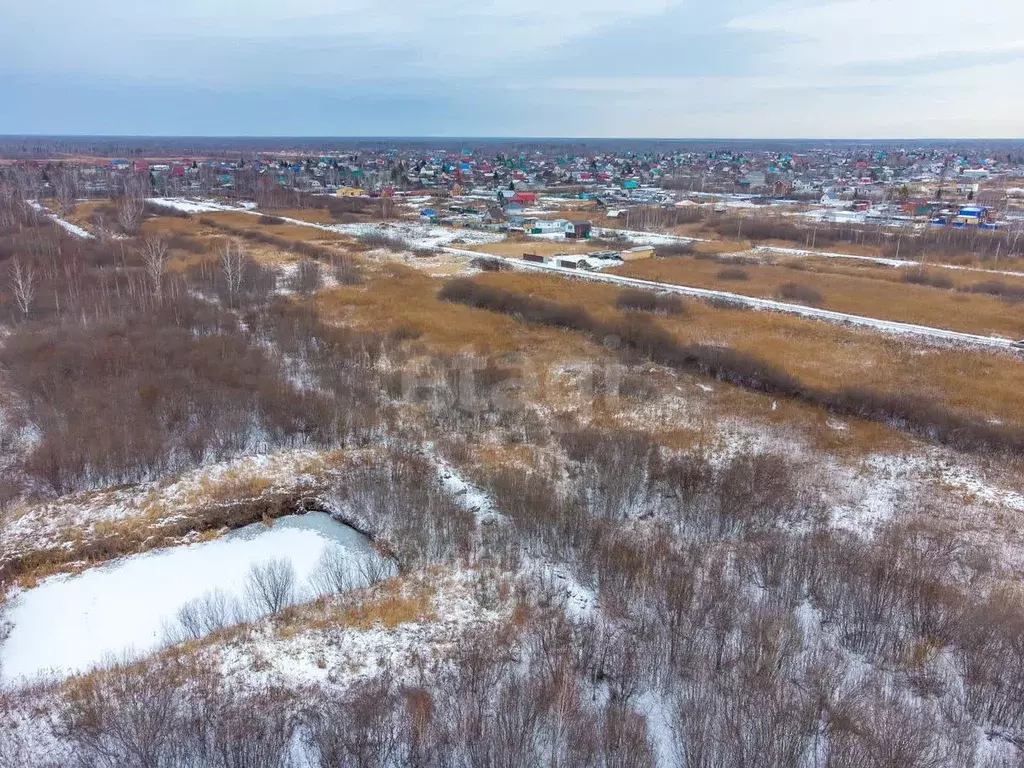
[{"x": 71, "y": 624}]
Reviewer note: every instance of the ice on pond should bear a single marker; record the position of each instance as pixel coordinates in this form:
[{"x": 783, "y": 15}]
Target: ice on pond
[{"x": 133, "y": 605}]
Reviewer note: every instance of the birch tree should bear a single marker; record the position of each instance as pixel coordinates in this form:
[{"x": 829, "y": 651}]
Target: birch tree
[
  {"x": 154, "y": 257},
  {"x": 232, "y": 263},
  {"x": 24, "y": 283},
  {"x": 65, "y": 188},
  {"x": 129, "y": 213}
]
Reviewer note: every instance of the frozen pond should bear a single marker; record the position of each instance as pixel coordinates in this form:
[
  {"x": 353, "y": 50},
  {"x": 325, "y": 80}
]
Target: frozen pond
[{"x": 134, "y": 605}]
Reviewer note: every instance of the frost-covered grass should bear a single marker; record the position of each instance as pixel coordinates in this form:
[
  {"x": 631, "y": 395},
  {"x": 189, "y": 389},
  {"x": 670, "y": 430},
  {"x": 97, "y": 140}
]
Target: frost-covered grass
[{"x": 132, "y": 518}]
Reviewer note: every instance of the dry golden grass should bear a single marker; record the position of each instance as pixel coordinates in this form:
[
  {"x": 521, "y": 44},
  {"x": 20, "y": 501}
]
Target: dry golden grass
[
  {"x": 391, "y": 606},
  {"x": 516, "y": 248},
  {"x": 397, "y": 295},
  {"x": 821, "y": 354},
  {"x": 961, "y": 278},
  {"x": 286, "y": 230},
  {"x": 81, "y": 214},
  {"x": 314, "y": 216},
  {"x": 924, "y": 305}
]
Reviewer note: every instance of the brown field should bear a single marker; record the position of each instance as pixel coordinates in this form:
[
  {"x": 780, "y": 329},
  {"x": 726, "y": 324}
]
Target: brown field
[
  {"x": 960, "y": 277},
  {"x": 516, "y": 248},
  {"x": 286, "y": 230},
  {"x": 847, "y": 292},
  {"x": 396, "y": 296},
  {"x": 822, "y": 354}
]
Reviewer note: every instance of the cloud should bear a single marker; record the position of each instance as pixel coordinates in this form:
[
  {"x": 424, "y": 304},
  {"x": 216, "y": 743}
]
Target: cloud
[{"x": 769, "y": 68}]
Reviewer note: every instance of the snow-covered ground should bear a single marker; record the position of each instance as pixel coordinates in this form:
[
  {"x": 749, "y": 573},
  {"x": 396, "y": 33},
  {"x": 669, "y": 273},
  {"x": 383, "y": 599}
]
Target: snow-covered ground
[
  {"x": 70, "y": 624},
  {"x": 420, "y": 235},
  {"x": 65, "y": 225},
  {"x": 199, "y": 205}
]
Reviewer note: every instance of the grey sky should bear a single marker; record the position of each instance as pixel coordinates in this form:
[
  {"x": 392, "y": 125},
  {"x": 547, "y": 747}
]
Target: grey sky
[{"x": 731, "y": 68}]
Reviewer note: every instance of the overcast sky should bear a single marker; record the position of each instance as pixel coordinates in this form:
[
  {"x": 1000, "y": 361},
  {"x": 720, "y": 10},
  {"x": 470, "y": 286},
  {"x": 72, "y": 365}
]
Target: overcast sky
[{"x": 597, "y": 68}]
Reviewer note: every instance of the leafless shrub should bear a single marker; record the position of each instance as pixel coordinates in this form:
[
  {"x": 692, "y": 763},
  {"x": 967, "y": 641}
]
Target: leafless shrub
[
  {"x": 405, "y": 332},
  {"x": 166, "y": 712},
  {"x": 346, "y": 271},
  {"x": 921, "y": 276},
  {"x": 270, "y": 586},
  {"x": 153, "y": 209},
  {"x": 799, "y": 292},
  {"x": 270, "y": 221},
  {"x": 214, "y": 611},
  {"x": 307, "y": 279},
  {"x": 1005, "y": 291},
  {"x": 647, "y": 301},
  {"x": 732, "y": 273},
  {"x": 339, "y": 569},
  {"x": 485, "y": 264},
  {"x": 183, "y": 242},
  {"x": 678, "y": 248},
  {"x": 383, "y": 241},
  {"x": 407, "y": 509}
]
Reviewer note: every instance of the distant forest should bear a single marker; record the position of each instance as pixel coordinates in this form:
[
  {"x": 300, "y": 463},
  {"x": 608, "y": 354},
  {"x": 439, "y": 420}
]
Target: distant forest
[{"x": 33, "y": 147}]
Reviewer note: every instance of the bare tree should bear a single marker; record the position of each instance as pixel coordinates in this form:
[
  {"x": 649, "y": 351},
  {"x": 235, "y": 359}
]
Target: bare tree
[
  {"x": 154, "y": 257},
  {"x": 24, "y": 283},
  {"x": 101, "y": 228},
  {"x": 129, "y": 213},
  {"x": 334, "y": 572},
  {"x": 270, "y": 585},
  {"x": 232, "y": 263},
  {"x": 65, "y": 187},
  {"x": 307, "y": 278}
]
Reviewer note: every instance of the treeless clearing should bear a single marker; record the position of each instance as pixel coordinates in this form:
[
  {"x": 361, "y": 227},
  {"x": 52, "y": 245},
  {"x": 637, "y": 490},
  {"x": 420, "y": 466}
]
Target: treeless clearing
[
  {"x": 312, "y": 215},
  {"x": 81, "y": 214},
  {"x": 400, "y": 296},
  {"x": 820, "y": 354},
  {"x": 924, "y": 305},
  {"x": 516, "y": 248},
  {"x": 286, "y": 230},
  {"x": 825, "y": 264}
]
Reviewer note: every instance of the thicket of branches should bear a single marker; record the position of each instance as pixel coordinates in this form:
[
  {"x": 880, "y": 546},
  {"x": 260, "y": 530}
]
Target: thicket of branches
[
  {"x": 731, "y": 626},
  {"x": 125, "y": 374}
]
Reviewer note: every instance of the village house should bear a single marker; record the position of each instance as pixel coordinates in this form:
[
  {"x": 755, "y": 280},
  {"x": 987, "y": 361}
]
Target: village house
[{"x": 578, "y": 230}]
